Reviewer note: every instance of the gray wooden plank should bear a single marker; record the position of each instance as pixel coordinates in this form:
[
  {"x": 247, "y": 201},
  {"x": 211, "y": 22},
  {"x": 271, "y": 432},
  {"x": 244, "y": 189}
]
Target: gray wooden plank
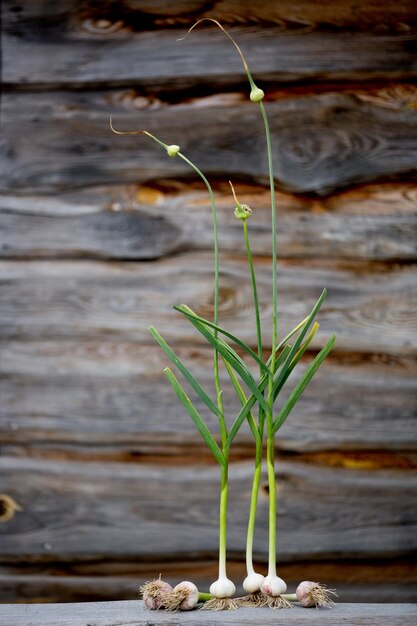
[
  {"x": 101, "y": 579},
  {"x": 322, "y": 142},
  {"x": 133, "y": 613},
  {"x": 80, "y": 510},
  {"x": 149, "y": 221},
  {"x": 370, "y": 307},
  {"x": 29, "y": 16},
  {"x": 77, "y": 588},
  {"x": 93, "y": 398},
  {"x": 70, "y": 50}
]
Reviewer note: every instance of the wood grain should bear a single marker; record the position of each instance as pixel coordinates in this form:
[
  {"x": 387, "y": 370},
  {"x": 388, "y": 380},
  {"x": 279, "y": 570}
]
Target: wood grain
[
  {"x": 133, "y": 612},
  {"x": 153, "y": 220},
  {"x": 80, "y": 510},
  {"x": 120, "y": 300},
  {"x": 100, "y": 235},
  {"x": 320, "y": 142},
  {"x": 355, "y": 581},
  {"x": 95, "y": 399},
  {"x": 75, "y": 50},
  {"x": 29, "y": 16}
]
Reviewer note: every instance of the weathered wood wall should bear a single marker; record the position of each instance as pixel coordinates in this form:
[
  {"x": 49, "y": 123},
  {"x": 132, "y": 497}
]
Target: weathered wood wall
[{"x": 102, "y": 234}]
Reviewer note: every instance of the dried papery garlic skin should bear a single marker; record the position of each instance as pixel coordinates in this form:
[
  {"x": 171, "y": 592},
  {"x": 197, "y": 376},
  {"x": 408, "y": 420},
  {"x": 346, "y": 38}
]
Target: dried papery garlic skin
[
  {"x": 184, "y": 597},
  {"x": 311, "y": 594},
  {"x": 154, "y": 593}
]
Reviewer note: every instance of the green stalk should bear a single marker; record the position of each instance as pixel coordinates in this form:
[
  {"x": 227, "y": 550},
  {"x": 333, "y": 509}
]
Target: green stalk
[
  {"x": 204, "y": 597},
  {"x": 274, "y": 239},
  {"x": 291, "y": 597},
  {"x": 254, "y": 291},
  {"x": 253, "y": 507},
  {"x": 270, "y": 437},
  {"x": 175, "y": 151},
  {"x": 172, "y": 151},
  {"x": 272, "y": 504},
  {"x": 257, "y": 96},
  {"x": 269, "y": 417},
  {"x": 223, "y": 518},
  {"x": 258, "y": 444},
  {"x": 222, "y": 423}
]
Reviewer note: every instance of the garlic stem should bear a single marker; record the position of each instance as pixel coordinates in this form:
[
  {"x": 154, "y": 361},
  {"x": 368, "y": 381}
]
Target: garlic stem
[
  {"x": 222, "y": 423},
  {"x": 270, "y": 451},
  {"x": 204, "y": 597},
  {"x": 291, "y": 597},
  {"x": 272, "y": 585},
  {"x": 223, "y": 520},
  {"x": 173, "y": 151},
  {"x": 253, "y": 580},
  {"x": 252, "y": 512},
  {"x": 250, "y": 584}
]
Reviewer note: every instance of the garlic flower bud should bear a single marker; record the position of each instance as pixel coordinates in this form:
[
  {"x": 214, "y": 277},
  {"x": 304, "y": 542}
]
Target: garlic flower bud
[
  {"x": 173, "y": 150},
  {"x": 256, "y": 95},
  {"x": 243, "y": 211}
]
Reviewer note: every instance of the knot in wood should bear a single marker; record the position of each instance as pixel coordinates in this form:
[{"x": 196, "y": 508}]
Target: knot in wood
[{"x": 8, "y": 507}]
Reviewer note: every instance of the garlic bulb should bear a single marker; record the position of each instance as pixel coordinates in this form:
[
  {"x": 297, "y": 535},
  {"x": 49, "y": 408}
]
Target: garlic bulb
[
  {"x": 184, "y": 597},
  {"x": 311, "y": 594},
  {"x": 222, "y": 588},
  {"x": 253, "y": 582},
  {"x": 154, "y": 593},
  {"x": 273, "y": 586}
]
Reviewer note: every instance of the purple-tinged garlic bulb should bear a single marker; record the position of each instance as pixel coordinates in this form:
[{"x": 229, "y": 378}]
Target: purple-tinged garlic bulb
[
  {"x": 154, "y": 593},
  {"x": 273, "y": 586},
  {"x": 311, "y": 594}
]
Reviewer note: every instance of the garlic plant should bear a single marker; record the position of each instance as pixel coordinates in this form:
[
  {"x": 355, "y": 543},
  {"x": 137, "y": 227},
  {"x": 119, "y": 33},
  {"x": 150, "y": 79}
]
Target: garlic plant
[{"x": 258, "y": 396}]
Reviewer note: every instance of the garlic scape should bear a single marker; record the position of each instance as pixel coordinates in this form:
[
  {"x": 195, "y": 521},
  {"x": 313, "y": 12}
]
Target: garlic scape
[
  {"x": 253, "y": 580},
  {"x": 222, "y": 588}
]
